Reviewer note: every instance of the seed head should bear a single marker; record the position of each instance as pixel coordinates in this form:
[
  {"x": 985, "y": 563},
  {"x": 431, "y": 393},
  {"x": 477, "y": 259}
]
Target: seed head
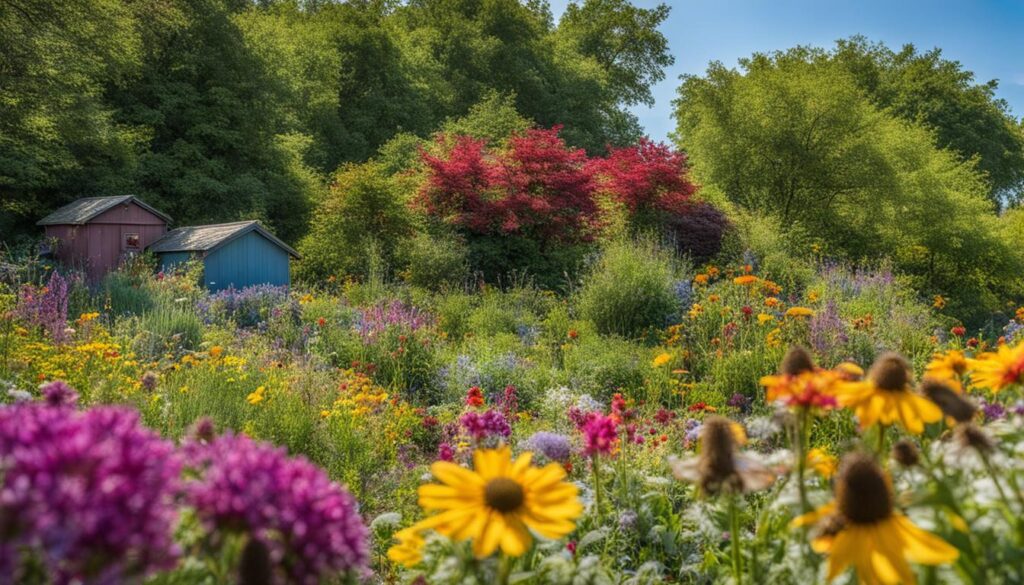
[
  {"x": 970, "y": 436},
  {"x": 717, "y": 465},
  {"x": 890, "y": 372},
  {"x": 952, "y": 404},
  {"x": 905, "y": 453},
  {"x": 796, "y": 362},
  {"x": 862, "y": 490}
]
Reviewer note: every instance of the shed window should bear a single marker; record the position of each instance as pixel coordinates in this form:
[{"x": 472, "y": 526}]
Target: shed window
[{"x": 132, "y": 242}]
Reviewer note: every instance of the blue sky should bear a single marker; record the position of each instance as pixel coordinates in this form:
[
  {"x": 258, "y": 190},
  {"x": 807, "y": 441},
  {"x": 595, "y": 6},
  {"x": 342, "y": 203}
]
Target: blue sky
[{"x": 987, "y": 36}]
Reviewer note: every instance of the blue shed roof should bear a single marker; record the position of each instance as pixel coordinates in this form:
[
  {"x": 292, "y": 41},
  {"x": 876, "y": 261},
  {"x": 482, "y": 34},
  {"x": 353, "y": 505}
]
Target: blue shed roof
[{"x": 205, "y": 238}]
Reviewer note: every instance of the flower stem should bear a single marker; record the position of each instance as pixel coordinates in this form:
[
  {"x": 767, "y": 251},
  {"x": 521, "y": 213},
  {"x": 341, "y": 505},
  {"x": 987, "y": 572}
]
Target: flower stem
[
  {"x": 504, "y": 569},
  {"x": 596, "y": 467},
  {"x": 801, "y": 458},
  {"x": 734, "y": 538}
]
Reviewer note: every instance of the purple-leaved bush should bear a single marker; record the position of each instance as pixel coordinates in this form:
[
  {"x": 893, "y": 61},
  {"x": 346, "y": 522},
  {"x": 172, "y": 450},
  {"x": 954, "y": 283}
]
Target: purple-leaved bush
[
  {"x": 310, "y": 525},
  {"x": 90, "y": 495}
]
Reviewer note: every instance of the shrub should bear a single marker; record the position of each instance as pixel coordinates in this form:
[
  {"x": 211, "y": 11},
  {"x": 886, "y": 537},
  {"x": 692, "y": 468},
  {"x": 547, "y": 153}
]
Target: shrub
[
  {"x": 435, "y": 262},
  {"x": 364, "y": 216},
  {"x": 698, "y": 233},
  {"x": 630, "y": 289}
]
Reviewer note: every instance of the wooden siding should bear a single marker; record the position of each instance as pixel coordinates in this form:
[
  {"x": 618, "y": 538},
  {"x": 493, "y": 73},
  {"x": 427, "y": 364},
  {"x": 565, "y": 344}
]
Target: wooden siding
[
  {"x": 248, "y": 260},
  {"x": 98, "y": 246},
  {"x": 168, "y": 260}
]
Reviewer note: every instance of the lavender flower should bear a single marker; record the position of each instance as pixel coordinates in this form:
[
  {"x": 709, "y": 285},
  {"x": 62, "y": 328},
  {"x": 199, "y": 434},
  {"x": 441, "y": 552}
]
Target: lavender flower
[
  {"x": 628, "y": 520},
  {"x": 310, "y": 524},
  {"x": 90, "y": 495},
  {"x": 827, "y": 330},
  {"x": 992, "y": 410},
  {"x": 552, "y": 445},
  {"x": 377, "y": 319},
  {"x": 47, "y": 307},
  {"x": 484, "y": 425},
  {"x": 248, "y": 307}
]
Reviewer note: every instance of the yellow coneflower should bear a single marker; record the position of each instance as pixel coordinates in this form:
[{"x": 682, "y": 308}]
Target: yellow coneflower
[
  {"x": 495, "y": 503},
  {"x": 719, "y": 467},
  {"x": 822, "y": 462},
  {"x": 998, "y": 369},
  {"x": 409, "y": 550},
  {"x": 949, "y": 366},
  {"x": 661, "y": 359},
  {"x": 861, "y": 528},
  {"x": 799, "y": 312},
  {"x": 886, "y": 397}
]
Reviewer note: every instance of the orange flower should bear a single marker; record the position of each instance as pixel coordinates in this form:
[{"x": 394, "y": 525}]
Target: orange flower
[{"x": 746, "y": 279}]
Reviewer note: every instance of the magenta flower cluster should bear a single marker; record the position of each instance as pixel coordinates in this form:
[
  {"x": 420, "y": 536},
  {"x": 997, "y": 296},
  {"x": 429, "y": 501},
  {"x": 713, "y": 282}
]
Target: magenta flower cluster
[
  {"x": 490, "y": 423},
  {"x": 599, "y": 434},
  {"x": 89, "y": 495},
  {"x": 310, "y": 525},
  {"x": 375, "y": 320}
]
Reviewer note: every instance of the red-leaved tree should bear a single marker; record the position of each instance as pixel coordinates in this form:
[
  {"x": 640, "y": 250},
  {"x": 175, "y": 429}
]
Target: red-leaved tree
[
  {"x": 537, "y": 187},
  {"x": 646, "y": 178}
]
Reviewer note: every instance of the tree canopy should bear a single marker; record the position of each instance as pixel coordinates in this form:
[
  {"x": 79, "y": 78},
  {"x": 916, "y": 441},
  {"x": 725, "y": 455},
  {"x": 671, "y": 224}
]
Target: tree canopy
[{"x": 220, "y": 109}]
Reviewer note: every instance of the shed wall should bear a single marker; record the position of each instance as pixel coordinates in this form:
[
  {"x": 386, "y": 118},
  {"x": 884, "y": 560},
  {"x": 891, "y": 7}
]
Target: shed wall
[
  {"x": 98, "y": 246},
  {"x": 248, "y": 260}
]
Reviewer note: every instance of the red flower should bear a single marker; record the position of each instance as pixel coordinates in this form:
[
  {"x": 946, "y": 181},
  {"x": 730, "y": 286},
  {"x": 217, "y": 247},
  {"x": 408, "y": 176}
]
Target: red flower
[
  {"x": 475, "y": 397},
  {"x": 321, "y": 322},
  {"x": 972, "y": 342},
  {"x": 959, "y": 330}
]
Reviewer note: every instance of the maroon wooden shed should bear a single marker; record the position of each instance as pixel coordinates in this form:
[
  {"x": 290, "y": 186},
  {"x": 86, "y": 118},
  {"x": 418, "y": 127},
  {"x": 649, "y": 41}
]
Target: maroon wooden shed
[{"x": 96, "y": 233}]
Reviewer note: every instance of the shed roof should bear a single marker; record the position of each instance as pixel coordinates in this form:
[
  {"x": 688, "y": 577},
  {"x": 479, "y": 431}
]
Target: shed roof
[
  {"x": 81, "y": 211},
  {"x": 204, "y": 238}
]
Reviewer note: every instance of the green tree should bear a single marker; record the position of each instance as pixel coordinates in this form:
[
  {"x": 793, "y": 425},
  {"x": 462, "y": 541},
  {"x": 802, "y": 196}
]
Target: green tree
[
  {"x": 966, "y": 116},
  {"x": 220, "y": 147},
  {"x": 363, "y": 220},
  {"x": 792, "y": 136},
  {"x": 58, "y": 137}
]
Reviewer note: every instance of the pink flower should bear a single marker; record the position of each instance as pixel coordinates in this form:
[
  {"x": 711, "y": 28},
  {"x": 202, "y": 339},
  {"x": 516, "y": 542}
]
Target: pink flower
[{"x": 599, "y": 434}]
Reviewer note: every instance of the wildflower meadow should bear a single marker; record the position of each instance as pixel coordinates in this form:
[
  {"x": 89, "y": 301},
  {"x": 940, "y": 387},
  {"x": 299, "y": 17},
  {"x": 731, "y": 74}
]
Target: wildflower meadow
[{"x": 511, "y": 292}]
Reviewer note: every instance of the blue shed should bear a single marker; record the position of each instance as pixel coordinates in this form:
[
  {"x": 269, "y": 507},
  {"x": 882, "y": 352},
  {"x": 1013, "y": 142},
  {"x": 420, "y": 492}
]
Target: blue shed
[{"x": 235, "y": 255}]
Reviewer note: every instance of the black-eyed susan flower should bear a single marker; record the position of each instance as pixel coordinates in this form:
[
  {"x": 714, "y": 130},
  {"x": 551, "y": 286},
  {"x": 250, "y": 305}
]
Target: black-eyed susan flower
[
  {"x": 886, "y": 397},
  {"x": 497, "y": 503},
  {"x": 949, "y": 366},
  {"x": 719, "y": 467},
  {"x": 409, "y": 550},
  {"x": 861, "y": 528},
  {"x": 998, "y": 369}
]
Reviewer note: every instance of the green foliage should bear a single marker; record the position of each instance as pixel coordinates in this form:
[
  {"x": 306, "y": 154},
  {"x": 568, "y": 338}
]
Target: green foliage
[
  {"x": 435, "y": 262},
  {"x": 363, "y": 218},
  {"x": 792, "y": 136},
  {"x": 630, "y": 289},
  {"x": 966, "y": 116}
]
